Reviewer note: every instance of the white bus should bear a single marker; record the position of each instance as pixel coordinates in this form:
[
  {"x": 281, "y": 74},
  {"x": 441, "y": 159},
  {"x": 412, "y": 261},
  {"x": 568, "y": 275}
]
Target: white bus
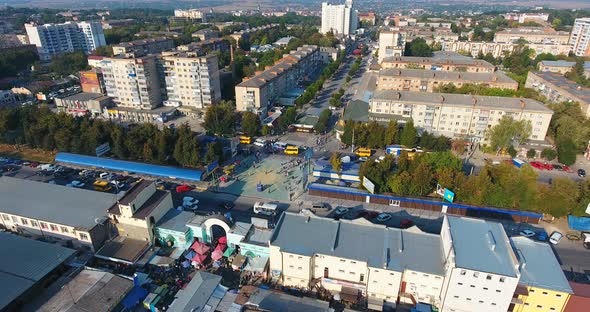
[{"x": 265, "y": 208}]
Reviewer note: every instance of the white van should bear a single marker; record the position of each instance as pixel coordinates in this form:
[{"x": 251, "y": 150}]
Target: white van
[
  {"x": 265, "y": 208},
  {"x": 260, "y": 142}
]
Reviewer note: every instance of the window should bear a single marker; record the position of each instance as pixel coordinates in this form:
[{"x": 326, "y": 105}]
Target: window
[
  {"x": 527, "y": 304},
  {"x": 64, "y": 229},
  {"x": 539, "y": 306},
  {"x": 481, "y": 301},
  {"x": 5, "y": 217},
  {"x": 498, "y": 291},
  {"x": 342, "y": 260},
  {"x": 558, "y": 295},
  {"x": 532, "y": 290},
  {"x": 83, "y": 236},
  {"x": 493, "y": 303},
  {"x": 460, "y": 283},
  {"x": 456, "y": 297},
  {"x": 352, "y": 273},
  {"x": 545, "y": 293},
  {"x": 489, "y": 277},
  {"x": 341, "y": 271},
  {"x": 552, "y": 309},
  {"x": 472, "y": 286},
  {"x": 44, "y": 225},
  {"x": 291, "y": 267},
  {"x": 299, "y": 268},
  {"x": 53, "y": 227},
  {"x": 362, "y": 277},
  {"x": 34, "y": 223},
  {"x": 475, "y": 274},
  {"x": 485, "y": 288},
  {"x": 14, "y": 219},
  {"x": 24, "y": 221},
  {"x": 502, "y": 279},
  {"x": 468, "y": 299}
]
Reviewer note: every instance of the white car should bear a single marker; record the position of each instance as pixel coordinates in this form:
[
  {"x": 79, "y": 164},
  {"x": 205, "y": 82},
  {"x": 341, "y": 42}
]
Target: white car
[
  {"x": 260, "y": 142},
  {"x": 306, "y": 212},
  {"x": 105, "y": 176},
  {"x": 383, "y": 217},
  {"x": 77, "y": 183},
  {"x": 555, "y": 238},
  {"x": 363, "y": 158},
  {"x": 341, "y": 211},
  {"x": 188, "y": 201},
  {"x": 118, "y": 184},
  {"x": 527, "y": 233}
]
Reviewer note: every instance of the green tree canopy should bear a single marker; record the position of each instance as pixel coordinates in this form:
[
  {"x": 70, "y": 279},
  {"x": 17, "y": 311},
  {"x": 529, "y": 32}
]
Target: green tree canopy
[
  {"x": 509, "y": 131},
  {"x": 409, "y": 135},
  {"x": 250, "y": 124}
]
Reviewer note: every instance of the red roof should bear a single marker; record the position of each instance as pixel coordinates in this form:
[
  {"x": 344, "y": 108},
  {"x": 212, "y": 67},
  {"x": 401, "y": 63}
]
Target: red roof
[
  {"x": 95, "y": 57},
  {"x": 580, "y": 300},
  {"x": 582, "y": 290}
]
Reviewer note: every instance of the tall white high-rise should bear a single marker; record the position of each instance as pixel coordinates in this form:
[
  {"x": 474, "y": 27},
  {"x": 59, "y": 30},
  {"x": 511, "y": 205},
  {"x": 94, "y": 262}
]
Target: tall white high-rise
[
  {"x": 342, "y": 19},
  {"x": 580, "y": 37},
  {"x": 55, "y": 39}
]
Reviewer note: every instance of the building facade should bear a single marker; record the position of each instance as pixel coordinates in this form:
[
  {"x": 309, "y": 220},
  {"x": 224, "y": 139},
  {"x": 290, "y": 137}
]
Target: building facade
[
  {"x": 192, "y": 82},
  {"x": 500, "y": 49},
  {"x": 7, "y": 98},
  {"x": 143, "y": 47},
  {"x": 391, "y": 44},
  {"x": 132, "y": 82},
  {"x": 580, "y": 37},
  {"x": 543, "y": 35},
  {"x": 341, "y": 19},
  {"x": 92, "y": 81},
  {"x": 429, "y": 80},
  {"x": 458, "y": 115},
  {"x": 191, "y": 14},
  {"x": 83, "y": 103},
  {"x": 561, "y": 67},
  {"x": 258, "y": 94},
  {"x": 557, "y": 89},
  {"x": 55, "y": 39},
  {"x": 444, "y": 64}
]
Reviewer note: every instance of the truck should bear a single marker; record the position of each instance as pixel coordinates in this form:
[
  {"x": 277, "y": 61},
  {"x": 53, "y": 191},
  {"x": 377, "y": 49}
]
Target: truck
[{"x": 518, "y": 162}]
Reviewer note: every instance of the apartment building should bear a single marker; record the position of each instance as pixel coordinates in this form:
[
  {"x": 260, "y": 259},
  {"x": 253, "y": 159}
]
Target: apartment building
[
  {"x": 55, "y": 39},
  {"x": 561, "y": 67},
  {"x": 580, "y": 37},
  {"x": 55, "y": 212},
  {"x": 368, "y": 18},
  {"x": 192, "y": 82},
  {"x": 500, "y": 49},
  {"x": 557, "y": 89},
  {"x": 480, "y": 265},
  {"x": 190, "y": 13},
  {"x": 143, "y": 47},
  {"x": 83, "y": 104},
  {"x": 391, "y": 44},
  {"x": 341, "y": 19},
  {"x": 259, "y": 93},
  {"x": 132, "y": 82},
  {"x": 526, "y": 17},
  {"x": 244, "y": 33},
  {"x": 545, "y": 35},
  {"x": 430, "y": 34},
  {"x": 461, "y": 64},
  {"x": 7, "y": 98},
  {"x": 205, "y": 47},
  {"x": 357, "y": 257},
  {"x": 205, "y": 34},
  {"x": 542, "y": 286},
  {"x": 457, "y": 115},
  {"x": 403, "y": 79}
]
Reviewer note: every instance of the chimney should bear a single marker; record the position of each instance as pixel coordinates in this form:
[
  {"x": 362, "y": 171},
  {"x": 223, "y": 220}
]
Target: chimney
[
  {"x": 442, "y": 99},
  {"x": 459, "y": 77},
  {"x": 491, "y": 240},
  {"x": 522, "y": 104},
  {"x": 398, "y": 95}
]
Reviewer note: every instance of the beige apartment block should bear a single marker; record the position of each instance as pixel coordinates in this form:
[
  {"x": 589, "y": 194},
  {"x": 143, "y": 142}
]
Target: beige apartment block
[
  {"x": 558, "y": 89},
  {"x": 580, "y": 37},
  {"x": 458, "y": 115},
  {"x": 439, "y": 63},
  {"x": 391, "y": 44},
  {"x": 500, "y": 49},
  {"x": 143, "y": 47},
  {"x": 545, "y": 35},
  {"x": 258, "y": 93},
  {"x": 429, "y": 80},
  {"x": 132, "y": 82},
  {"x": 192, "y": 82}
]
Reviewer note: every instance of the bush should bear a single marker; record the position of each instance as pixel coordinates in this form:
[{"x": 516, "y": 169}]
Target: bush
[
  {"x": 566, "y": 152},
  {"x": 549, "y": 154},
  {"x": 511, "y": 151},
  {"x": 531, "y": 153}
]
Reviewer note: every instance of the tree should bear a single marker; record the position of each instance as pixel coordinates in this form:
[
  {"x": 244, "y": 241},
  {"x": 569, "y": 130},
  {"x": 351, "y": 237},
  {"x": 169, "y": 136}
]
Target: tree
[
  {"x": 186, "y": 150},
  {"x": 288, "y": 118},
  {"x": 399, "y": 184},
  {"x": 220, "y": 118},
  {"x": 250, "y": 124},
  {"x": 566, "y": 151},
  {"x": 323, "y": 121},
  {"x": 509, "y": 131},
  {"x": 265, "y": 130},
  {"x": 336, "y": 162},
  {"x": 210, "y": 155},
  {"x": 391, "y": 132},
  {"x": 531, "y": 153},
  {"x": 421, "y": 183},
  {"x": 512, "y": 151},
  {"x": 346, "y": 137},
  {"x": 418, "y": 47},
  {"x": 409, "y": 134},
  {"x": 548, "y": 154}
]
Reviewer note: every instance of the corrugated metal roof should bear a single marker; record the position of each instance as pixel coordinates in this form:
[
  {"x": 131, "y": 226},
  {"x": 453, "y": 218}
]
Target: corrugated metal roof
[
  {"x": 27, "y": 262},
  {"x": 175, "y": 220},
  {"x": 195, "y": 295},
  {"x": 539, "y": 266},
  {"x": 482, "y": 246},
  {"x": 53, "y": 203},
  {"x": 379, "y": 246},
  {"x": 123, "y": 165}
]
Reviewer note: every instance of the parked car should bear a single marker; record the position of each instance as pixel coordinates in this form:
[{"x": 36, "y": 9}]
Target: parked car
[
  {"x": 341, "y": 211},
  {"x": 567, "y": 169},
  {"x": 537, "y": 165},
  {"x": 183, "y": 188},
  {"x": 581, "y": 173},
  {"x": 319, "y": 206},
  {"x": 527, "y": 233},
  {"x": 557, "y": 167},
  {"x": 105, "y": 175},
  {"x": 118, "y": 184},
  {"x": 406, "y": 223},
  {"x": 548, "y": 166},
  {"x": 383, "y": 217},
  {"x": 542, "y": 236},
  {"x": 34, "y": 164},
  {"x": 555, "y": 238}
]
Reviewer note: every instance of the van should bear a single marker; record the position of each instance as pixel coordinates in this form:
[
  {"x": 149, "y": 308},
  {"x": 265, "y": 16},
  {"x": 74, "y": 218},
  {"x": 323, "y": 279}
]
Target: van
[
  {"x": 245, "y": 140},
  {"x": 292, "y": 150},
  {"x": 47, "y": 167},
  {"x": 363, "y": 152},
  {"x": 265, "y": 208},
  {"x": 260, "y": 142},
  {"x": 279, "y": 145}
]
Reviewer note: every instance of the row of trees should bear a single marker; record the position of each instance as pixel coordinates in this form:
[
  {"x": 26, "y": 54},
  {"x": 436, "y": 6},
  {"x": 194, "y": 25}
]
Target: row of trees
[
  {"x": 311, "y": 91},
  {"x": 38, "y": 127},
  {"x": 12, "y": 62}
]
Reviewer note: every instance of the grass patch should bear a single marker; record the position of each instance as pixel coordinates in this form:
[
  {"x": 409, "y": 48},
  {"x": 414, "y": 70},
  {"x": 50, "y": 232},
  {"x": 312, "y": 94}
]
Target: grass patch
[{"x": 26, "y": 153}]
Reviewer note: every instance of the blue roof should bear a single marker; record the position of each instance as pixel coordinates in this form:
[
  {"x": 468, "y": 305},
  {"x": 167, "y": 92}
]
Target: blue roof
[
  {"x": 135, "y": 296},
  {"x": 137, "y": 167},
  {"x": 482, "y": 245},
  {"x": 539, "y": 267},
  {"x": 347, "y": 168}
]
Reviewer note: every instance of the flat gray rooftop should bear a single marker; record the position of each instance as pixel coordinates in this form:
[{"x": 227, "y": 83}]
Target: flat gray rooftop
[
  {"x": 379, "y": 246},
  {"x": 482, "y": 245},
  {"x": 197, "y": 293},
  {"x": 27, "y": 262},
  {"x": 566, "y": 84},
  {"x": 447, "y": 75},
  {"x": 466, "y": 100},
  {"x": 53, "y": 203},
  {"x": 539, "y": 266},
  {"x": 175, "y": 220}
]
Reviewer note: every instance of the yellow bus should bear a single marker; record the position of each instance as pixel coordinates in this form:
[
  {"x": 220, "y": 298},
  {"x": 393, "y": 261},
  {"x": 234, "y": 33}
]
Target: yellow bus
[
  {"x": 101, "y": 185},
  {"x": 363, "y": 152},
  {"x": 292, "y": 150},
  {"x": 245, "y": 140}
]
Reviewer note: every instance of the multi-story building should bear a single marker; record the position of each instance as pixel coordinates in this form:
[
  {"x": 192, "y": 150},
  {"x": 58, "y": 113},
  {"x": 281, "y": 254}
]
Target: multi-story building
[
  {"x": 527, "y": 17},
  {"x": 7, "y": 98},
  {"x": 143, "y": 47},
  {"x": 561, "y": 67},
  {"x": 367, "y": 18},
  {"x": 341, "y": 19},
  {"x": 545, "y": 35},
  {"x": 205, "y": 34},
  {"x": 259, "y": 93},
  {"x": 55, "y": 39},
  {"x": 542, "y": 285},
  {"x": 132, "y": 82},
  {"x": 81, "y": 104},
  {"x": 481, "y": 268},
  {"x": 391, "y": 44},
  {"x": 55, "y": 212},
  {"x": 557, "y": 89},
  {"x": 191, "y": 14},
  {"x": 192, "y": 82},
  {"x": 461, "y": 64},
  {"x": 357, "y": 257},
  {"x": 457, "y": 115},
  {"x": 500, "y": 49},
  {"x": 206, "y": 47},
  {"x": 92, "y": 81},
  {"x": 245, "y": 33},
  {"x": 580, "y": 37},
  {"x": 428, "y": 80}
]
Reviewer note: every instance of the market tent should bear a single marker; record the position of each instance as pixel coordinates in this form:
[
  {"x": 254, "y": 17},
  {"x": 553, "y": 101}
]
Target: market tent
[
  {"x": 222, "y": 240},
  {"x": 198, "y": 258},
  {"x": 190, "y": 254},
  {"x": 228, "y": 252},
  {"x": 216, "y": 254},
  {"x": 220, "y": 247},
  {"x": 195, "y": 244},
  {"x": 200, "y": 248},
  {"x": 135, "y": 296}
]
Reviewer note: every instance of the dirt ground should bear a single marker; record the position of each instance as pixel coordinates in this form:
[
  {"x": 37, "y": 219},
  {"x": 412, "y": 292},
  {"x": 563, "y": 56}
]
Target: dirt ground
[{"x": 26, "y": 153}]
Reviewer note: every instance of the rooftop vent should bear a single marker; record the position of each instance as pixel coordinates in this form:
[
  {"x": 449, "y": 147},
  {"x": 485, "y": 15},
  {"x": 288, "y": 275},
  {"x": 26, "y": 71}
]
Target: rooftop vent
[{"x": 491, "y": 240}]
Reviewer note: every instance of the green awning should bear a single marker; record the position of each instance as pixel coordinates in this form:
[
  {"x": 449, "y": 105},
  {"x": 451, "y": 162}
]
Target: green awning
[{"x": 228, "y": 252}]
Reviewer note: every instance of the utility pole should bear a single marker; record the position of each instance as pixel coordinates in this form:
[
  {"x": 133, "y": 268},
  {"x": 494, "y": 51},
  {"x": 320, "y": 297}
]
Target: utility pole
[{"x": 352, "y": 146}]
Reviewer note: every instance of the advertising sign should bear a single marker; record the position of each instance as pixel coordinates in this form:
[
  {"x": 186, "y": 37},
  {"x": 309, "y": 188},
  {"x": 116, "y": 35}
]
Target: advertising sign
[
  {"x": 449, "y": 195},
  {"x": 102, "y": 149},
  {"x": 369, "y": 185}
]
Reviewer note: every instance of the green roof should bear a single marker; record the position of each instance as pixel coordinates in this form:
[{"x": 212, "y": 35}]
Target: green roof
[{"x": 356, "y": 110}]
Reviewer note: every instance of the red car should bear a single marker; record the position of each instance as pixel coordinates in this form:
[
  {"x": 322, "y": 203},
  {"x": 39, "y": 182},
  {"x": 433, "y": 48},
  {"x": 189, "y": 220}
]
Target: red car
[
  {"x": 183, "y": 188},
  {"x": 34, "y": 164},
  {"x": 406, "y": 223},
  {"x": 567, "y": 169},
  {"x": 536, "y": 164},
  {"x": 548, "y": 166}
]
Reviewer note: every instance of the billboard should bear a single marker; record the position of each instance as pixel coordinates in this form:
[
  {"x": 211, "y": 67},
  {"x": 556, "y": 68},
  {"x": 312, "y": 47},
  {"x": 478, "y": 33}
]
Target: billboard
[
  {"x": 102, "y": 149},
  {"x": 90, "y": 82},
  {"x": 369, "y": 185},
  {"x": 449, "y": 195}
]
